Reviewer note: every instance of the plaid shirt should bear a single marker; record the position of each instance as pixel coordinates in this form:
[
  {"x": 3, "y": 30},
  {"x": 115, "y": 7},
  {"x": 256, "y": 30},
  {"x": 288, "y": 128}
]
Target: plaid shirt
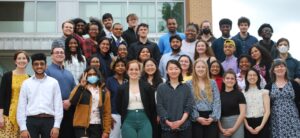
[
  {"x": 76, "y": 67},
  {"x": 89, "y": 48}
]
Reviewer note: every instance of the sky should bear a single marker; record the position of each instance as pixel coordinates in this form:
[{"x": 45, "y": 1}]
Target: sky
[{"x": 283, "y": 15}]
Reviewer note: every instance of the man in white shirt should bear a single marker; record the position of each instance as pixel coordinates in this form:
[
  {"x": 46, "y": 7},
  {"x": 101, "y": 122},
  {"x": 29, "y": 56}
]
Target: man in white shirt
[{"x": 40, "y": 108}]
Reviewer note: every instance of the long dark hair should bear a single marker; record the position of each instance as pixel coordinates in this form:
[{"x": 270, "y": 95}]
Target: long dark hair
[
  {"x": 156, "y": 76},
  {"x": 266, "y": 58},
  {"x": 140, "y": 51},
  {"x": 257, "y": 82},
  {"x": 99, "y": 41},
  {"x": 175, "y": 62},
  {"x": 235, "y": 87},
  {"x": 221, "y": 68},
  {"x": 68, "y": 51},
  {"x": 101, "y": 80}
]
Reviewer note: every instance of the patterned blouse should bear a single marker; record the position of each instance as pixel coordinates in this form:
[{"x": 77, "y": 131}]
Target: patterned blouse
[
  {"x": 204, "y": 104},
  {"x": 255, "y": 103}
]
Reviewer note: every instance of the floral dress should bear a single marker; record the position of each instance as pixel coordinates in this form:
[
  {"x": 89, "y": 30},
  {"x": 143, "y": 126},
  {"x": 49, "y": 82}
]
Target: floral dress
[
  {"x": 11, "y": 128},
  {"x": 285, "y": 122}
]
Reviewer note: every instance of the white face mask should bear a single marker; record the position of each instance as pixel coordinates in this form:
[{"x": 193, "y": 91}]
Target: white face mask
[{"x": 283, "y": 49}]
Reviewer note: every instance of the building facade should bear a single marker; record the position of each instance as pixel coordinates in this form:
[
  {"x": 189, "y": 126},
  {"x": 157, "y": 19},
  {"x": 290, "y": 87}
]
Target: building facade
[{"x": 32, "y": 25}]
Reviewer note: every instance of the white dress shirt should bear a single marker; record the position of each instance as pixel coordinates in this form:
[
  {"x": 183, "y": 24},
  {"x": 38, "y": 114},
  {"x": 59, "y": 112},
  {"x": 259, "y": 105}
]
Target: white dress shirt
[{"x": 39, "y": 96}]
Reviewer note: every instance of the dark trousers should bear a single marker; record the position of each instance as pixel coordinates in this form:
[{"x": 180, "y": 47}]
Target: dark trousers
[
  {"x": 254, "y": 122},
  {"x": 187, "y": 133},
  {"x": 38, "y": 126},
  {"x": 66, "y": 127},
  {"x": 93, "y": 131},
  {"x": 200, "y": 131}
]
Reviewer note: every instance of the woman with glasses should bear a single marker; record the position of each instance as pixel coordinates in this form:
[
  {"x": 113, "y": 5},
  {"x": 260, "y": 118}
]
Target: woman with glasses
[
  {"x": 186, "y": 66},
  {"x": 285, "y": 97},
  {"x": 258, "y": 106}
]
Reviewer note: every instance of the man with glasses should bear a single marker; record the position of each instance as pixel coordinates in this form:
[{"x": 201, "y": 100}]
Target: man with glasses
[
  {"x": 40, "y": 108},
  {"x": 265, "y": 31},
  {"x": 66, "y": 83}
]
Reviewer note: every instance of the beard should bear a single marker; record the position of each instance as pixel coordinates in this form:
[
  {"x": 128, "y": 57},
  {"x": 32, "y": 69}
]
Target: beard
[{"x": 175, "y": 50}]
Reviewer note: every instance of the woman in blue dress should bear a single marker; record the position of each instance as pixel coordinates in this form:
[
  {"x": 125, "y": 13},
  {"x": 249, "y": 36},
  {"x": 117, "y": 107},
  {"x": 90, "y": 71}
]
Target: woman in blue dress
[{"x": 285, "y": 97}]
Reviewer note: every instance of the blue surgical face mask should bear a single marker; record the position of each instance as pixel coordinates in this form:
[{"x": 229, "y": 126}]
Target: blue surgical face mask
[{"x": 92, "y": 79}]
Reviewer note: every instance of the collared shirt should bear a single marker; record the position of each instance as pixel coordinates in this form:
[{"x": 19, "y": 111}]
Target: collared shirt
[
  {"x": 164, "y": 60},
  {"x": 89, "y": 47},
  {"x": 64, "y": 77},
  {"x": 164, "y": 42},
  {"x": 230, "y": 63},
  {"x": 117, "y": 41},
  {"x": 173, "y": 103},
  {"x": 189, "y": 48},
  {"x": 137, "y": 46},
  {"x": 247, "y": 42},
  {"x": 76, "y": 67},
  {"x": 107, "y": 33},
  {"x": 95, "y": 113},
  {"x": 218, "y": 48},
  {"x": 204, "y": 104},
  {"x": 39, "y": 96},
  {"x": 80, "y": 39}
]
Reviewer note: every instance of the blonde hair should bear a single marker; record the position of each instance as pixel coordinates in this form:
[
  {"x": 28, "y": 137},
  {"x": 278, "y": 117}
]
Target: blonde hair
[{"x": 195, "y": 82}]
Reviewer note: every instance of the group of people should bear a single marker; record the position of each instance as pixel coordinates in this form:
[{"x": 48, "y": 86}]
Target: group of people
[{"x": 122, "y": 85}]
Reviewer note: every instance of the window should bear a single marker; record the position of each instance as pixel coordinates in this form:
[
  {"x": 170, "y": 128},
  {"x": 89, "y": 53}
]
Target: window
[
  {"x": 170, "y": 9},
  {"x": 46, "y": 17},
  {"x": 152, "y": 12},
  {"x": 87, "y": 10},
  {"x": 17, "y": 17},
  {"x": 28, "y": 16},
  {"x": 146, "y": 13}
]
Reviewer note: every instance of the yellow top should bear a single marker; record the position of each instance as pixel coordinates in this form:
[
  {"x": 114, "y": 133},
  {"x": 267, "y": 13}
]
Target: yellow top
[
  {"x": 186, "y": 78},
  {"x": 17, "y": 81}
]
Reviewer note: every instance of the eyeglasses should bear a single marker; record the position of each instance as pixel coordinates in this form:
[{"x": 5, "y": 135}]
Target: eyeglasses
[
  {"x": 38, "y": 64},
  {"x": 59, "y": 52}
]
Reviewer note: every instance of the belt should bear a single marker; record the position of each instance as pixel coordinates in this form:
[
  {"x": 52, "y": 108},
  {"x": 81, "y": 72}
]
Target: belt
[{"x": 43, "y": 115}]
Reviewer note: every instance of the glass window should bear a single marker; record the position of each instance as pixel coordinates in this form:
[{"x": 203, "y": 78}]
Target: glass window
[
  {"x": 28, "y": 17},
  {"x": 20, "y": 18},
  {"x": 170, "y": 9},
  {"x": 87, "y": 10},
  {"x": 146, "y": 13},
  {"x": 46, "y": 17}
]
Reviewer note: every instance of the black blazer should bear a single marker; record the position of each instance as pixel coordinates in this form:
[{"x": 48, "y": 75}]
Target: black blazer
[
  {"x": 147, "y": 97},
  {"x": 5, "y": 92}
]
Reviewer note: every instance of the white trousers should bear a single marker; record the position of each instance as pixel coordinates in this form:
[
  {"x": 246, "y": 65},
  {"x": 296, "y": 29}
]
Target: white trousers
[{"x": 116, "y": 132}]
